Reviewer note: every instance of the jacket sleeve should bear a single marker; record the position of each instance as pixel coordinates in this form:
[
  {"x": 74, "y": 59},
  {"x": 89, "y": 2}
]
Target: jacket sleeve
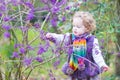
[
  {"x": 96, "y": 53},
  {"x": 58, "y": 38}
]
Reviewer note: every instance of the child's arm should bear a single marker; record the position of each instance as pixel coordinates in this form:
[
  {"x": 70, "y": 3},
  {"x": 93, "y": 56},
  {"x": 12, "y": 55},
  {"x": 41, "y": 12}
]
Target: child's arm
[
  {"x": 57, "y": 38},
  {"x": 97, "y": 56}
]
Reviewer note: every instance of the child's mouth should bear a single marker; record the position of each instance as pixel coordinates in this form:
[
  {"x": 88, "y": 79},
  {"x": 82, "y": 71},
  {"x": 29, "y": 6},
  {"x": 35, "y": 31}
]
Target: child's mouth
[{"x": 75, "y": 32}]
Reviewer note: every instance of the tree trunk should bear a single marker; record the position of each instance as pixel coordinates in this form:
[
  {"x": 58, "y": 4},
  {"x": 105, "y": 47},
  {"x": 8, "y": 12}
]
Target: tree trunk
[{"x": 117, "y": 59}]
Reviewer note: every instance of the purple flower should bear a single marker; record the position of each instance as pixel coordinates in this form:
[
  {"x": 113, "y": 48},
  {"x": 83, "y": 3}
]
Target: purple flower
[
  {"x": 3, "y": 8},
  {"x": 53, "y": 1},
  {"x": 29, "y": 4},
  {"x": 0, "y": 14},
  {"x": 96, "y": 2},
  {"x": 14, "y": 2},
  {"x": 54, "y": 22},
  {"x": 68, "y": 7},
  {"x": 57, "y": 50},
  {"x": 16, "y": 45},
  {"x": 22, "y": 50},
  {"x": 56, "y": 63},
  {"x": 84, "y": 0},
  {"x": 15, "y": 55},
  {"x": 51, "y": 75},
  {"x": 6, "y": 27},
  {"x": 118, "y": 54},
  {"x": 112, "y": 52},
  {"x": 102, "y": 40},
  {"x": 55, "y": 9},
  {"x": 39, "y": 59},
  {"x": 7, "y": 34},
  {"x": 27, "y": 61},
  {"x": 60, "y": 2},
  {"x": 23, "y": 28},
  {"x": 47, "y": 45},
  {"x": 44, "y": 1},
  {"x": 42, "y": 33},
  {"x": 30, "y": 16},
  {"x": 30, "y": 47},
  {"x": 102, "y": 47},
  {"x": 1, "y": 1},
  {"x": 41, "y": 50},
  {"x": 6, "y": 18},
  {"x": 63, "y": 18},
  {"x": 37, "y": 25}
]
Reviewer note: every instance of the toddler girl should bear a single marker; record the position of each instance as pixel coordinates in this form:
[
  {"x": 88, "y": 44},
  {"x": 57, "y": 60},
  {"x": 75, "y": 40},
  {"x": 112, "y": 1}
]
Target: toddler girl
[{"x": 85, "y": 61}]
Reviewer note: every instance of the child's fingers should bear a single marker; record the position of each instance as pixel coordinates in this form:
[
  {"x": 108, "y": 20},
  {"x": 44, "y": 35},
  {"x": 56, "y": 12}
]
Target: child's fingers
[
  {"x": 48, "y": 35},
  {"x": 105, "y": 69}
]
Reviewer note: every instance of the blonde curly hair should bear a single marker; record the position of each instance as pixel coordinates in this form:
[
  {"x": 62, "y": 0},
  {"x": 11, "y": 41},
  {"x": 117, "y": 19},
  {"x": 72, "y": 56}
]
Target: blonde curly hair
[{"x": 88, "y": 20}]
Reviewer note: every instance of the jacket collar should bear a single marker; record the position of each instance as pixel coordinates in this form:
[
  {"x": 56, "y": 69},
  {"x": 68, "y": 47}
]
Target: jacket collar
[{"x": 85, "y": 35}]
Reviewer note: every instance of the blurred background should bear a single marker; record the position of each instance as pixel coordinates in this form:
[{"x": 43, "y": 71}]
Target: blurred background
[{"x": 25, "y": 54}]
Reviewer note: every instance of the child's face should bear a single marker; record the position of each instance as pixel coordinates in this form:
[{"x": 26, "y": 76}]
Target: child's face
[{"x": 78, "y": 27}]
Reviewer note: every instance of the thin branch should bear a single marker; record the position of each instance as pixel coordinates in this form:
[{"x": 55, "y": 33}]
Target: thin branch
[
  {"x": 40, "y": 29},
  {"x": 42, "y": 62},
  {"x": 29, "y": 74}
]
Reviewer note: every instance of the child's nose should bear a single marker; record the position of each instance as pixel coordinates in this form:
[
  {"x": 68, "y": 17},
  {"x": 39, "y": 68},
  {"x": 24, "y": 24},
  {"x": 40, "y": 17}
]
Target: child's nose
[{"x": 75, "y": 28}]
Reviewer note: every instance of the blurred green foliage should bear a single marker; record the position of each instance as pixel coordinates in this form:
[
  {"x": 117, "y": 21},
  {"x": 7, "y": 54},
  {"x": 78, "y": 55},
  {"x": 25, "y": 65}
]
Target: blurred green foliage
[{"x": 106, "y": 19}]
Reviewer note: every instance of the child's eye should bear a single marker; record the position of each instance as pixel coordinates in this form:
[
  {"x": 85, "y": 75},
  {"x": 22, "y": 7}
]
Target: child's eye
[{"x": 78, "y": 27}]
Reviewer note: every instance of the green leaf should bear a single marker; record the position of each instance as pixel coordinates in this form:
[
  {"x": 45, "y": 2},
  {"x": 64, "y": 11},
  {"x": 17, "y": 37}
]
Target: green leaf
[
  {"x": 60, "y": 23},
  {"x": 67, "y": 27},
  {"x": 6, "y": 50},
  {"x": 111, "y": 29}
]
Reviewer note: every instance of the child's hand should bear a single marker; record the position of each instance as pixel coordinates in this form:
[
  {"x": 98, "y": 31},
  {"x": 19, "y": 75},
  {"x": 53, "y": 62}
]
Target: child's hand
[
  {"x": 48, "y": 35},
  {"x": 105, "y": 68}
]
